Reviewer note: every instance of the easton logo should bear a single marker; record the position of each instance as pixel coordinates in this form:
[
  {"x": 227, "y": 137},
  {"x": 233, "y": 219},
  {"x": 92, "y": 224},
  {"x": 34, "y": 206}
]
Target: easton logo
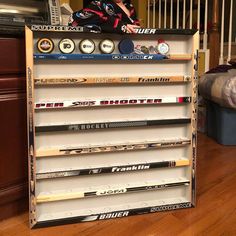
[
  {"x": 111, "y": 191},
  {"x": 130, "y": 168},
  {"x": 113, "y": 215},
  {"x": 54, "y": 81}
]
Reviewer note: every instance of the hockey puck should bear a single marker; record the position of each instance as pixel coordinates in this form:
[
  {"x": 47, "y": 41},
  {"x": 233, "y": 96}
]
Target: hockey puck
[
  {"x": 107, "y": 46},
  {"x": 67, "y": 46},
  {"x": 45, "y": 45},
  {"x": 87, "y": 46},
  {"x": 126, "y": 46},
  {"x": 162, "y": 47}
]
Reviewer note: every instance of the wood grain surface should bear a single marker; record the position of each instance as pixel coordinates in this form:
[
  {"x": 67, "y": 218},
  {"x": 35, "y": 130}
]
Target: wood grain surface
[{"x": 214, "y": 215}]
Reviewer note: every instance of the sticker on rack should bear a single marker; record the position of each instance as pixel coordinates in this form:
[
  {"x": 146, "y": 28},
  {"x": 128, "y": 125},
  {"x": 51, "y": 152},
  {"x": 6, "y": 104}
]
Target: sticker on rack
[
  {"x": 163, "y": 47},
  {"x": 87, "y": 46},
  {"x": 66, "y": 46},
  {"x": 107, "y": 46},
  {"x": 45, "y": 45}
]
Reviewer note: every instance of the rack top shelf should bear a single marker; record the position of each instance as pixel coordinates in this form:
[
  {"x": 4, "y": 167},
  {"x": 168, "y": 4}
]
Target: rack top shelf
[{"x": 142, "y": 31}]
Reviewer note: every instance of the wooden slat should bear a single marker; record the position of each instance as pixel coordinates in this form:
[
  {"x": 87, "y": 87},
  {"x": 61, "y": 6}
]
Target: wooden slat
[
  {"x": 230, "y": 31},
  {"x": 221, "y": 60},
  {"x": 205, "y": 36},
  {"x": 214, "y": 37}
]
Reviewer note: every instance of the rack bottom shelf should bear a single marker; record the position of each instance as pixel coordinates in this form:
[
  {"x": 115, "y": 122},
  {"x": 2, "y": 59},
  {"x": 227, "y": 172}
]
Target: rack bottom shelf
[{"x": 137, "y": 208}]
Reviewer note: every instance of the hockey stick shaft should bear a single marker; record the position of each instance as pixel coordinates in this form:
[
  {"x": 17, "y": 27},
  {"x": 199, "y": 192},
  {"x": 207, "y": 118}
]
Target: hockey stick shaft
[
  {"x": 110, "y": 125},
  {"x": 111, "y": 102},
  {"x": 112, "y": 80},
  {"x": 111, "y": 148},
  {"x": 113, "y": 169},
  {"x": 107, "y": 192},
  {"x": 114, "y": 57}
]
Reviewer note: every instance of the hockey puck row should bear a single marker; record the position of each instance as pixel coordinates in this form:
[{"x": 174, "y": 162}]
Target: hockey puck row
[
  {"x": 67, "y": 46},
  {"x": 106, "y": 46}
]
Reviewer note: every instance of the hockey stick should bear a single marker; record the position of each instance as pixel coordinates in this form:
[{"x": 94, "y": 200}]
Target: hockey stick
[
  {"x": 113, "y": 169},
  {"x": 110, "y": 125},
  {"x": 111, "y": 102},
  {"x": 111, "y": 148},
  {"x": 150, "y": 31},
  {"x": 109, "y": 191},
  {"x": 114, "y": 214},
  {"x": 112, "y": 80},
  {"x": 116, "y": 57}
]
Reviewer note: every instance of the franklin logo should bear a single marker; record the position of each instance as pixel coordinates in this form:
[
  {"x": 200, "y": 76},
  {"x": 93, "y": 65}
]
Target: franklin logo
[
  {"x": 130, "y": 168},
  {"x": 153, "y": 80}
]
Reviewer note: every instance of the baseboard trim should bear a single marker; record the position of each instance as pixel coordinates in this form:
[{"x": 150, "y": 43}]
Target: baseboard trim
[
  {"x": 13, "y": 200},
  {"x": 13, "y": 193}
]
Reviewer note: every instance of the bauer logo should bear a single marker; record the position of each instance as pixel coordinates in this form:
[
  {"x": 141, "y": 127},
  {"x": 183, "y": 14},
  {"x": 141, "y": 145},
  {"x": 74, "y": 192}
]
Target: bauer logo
[
  {"x": 113, "y": 215},
  {"x": 145, "y": 31}
]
